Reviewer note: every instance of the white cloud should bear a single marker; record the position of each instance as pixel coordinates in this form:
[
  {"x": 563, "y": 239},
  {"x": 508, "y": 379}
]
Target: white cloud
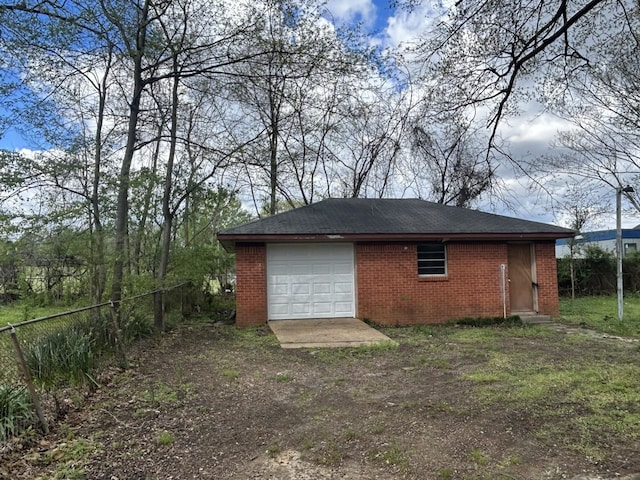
[
  {"x": 348, "y": 11},
  {"x": 540, "y": 128},
  {"x": 404, "y": 26}
]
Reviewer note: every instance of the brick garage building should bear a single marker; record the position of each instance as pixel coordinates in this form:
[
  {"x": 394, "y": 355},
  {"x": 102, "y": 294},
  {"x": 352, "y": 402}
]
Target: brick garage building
[{"x": 392, "y": 261}]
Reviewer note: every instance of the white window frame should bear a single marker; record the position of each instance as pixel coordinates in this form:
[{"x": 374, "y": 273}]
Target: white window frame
[{"x": 444, "y": 259}]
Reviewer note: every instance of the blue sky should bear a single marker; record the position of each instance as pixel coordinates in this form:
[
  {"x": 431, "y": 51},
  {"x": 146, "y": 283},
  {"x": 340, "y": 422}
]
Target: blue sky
[
  {"x": 529, "y": 134},
  {"x": 373, "y": 13},
  {"x": 391, "y": 26}
]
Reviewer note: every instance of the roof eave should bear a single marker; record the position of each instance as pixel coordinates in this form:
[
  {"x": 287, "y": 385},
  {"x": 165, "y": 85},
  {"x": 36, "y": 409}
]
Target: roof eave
[{"x": 229, "y": 241}]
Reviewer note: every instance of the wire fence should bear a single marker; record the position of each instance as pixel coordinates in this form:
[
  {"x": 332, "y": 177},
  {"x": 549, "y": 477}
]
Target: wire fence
[{"x": 41, "y": 358}]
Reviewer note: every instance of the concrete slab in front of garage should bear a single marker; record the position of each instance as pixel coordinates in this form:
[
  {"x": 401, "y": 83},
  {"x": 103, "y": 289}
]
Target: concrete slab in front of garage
[{"x": 325, "y": 332}]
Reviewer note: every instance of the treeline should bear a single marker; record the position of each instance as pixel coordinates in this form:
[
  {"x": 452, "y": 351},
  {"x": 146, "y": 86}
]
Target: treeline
[
  {"x": 596, "y": 273},
  {"x": 58, "y": 266},
  {"x": 140, "y": 113}
]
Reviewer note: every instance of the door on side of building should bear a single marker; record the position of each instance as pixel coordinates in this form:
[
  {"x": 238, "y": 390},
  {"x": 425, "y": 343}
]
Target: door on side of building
[{"x": 521, "y": 277}]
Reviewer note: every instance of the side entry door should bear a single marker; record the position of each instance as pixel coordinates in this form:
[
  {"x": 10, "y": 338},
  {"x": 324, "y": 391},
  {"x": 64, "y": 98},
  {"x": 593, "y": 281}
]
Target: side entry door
[{"x": 520, "y": 277}]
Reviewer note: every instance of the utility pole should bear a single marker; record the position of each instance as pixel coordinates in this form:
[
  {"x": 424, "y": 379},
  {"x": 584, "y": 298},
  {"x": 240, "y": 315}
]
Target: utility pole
[{"x": 619, "y": 252}]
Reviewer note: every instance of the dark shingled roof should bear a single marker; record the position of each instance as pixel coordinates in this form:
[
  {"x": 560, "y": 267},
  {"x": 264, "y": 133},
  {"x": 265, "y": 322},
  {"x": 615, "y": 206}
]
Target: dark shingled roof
[{"x": 364, "y": 218}]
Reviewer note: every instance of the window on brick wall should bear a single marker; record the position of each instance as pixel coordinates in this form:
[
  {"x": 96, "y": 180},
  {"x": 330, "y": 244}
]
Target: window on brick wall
[{"x": 432, "y": 259}]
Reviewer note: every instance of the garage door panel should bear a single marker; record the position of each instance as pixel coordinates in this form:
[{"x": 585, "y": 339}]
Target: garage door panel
[
  {"x": 280, "y": 290},
  {"x": 300, "y": 309},
  {"x": 342, "y": 277},
  {"x": 297, "y": 269},
  {"x": 319, "y": 269},
  {"x": 343, "y": 288},
  {"x": 310, "y": 280},
  {"x": 278, "y": 269},
  {"x": 343, "y": 309},
  {"x": 323, "y": 308},
  {"x": 300, "y": 289},
  {"x": 321, "y": 288},
  {"x": 343, "y": 269},
  {"x": 279, "y": 309},
  {"x": 280, "y": 279}
]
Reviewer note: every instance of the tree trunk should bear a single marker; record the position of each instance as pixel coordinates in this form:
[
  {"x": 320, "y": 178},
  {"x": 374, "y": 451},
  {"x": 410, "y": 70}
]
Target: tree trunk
[
  {"x": 99, "y": 279},
  {"x": 167, "y": 214},
  {"x": 122, "y": 206},
  {"x": 146, "y": 203}
]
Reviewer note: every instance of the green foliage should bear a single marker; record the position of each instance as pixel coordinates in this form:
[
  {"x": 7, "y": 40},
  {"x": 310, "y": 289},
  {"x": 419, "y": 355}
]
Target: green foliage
[
  {"x": 600, "y": 313},
  {"x": 283, "y": 377},
  {"x": 595, "y": 273},
  {"x": 478, "y": 457},
  {"x": 200, "y": 258},
  {"x": 220, "y": 307},
  {"x": 375, "y": 348},
  {"x": 15, "y": 410},
  {"x": 69, "y": 353},
  {"x": 70, "y": 458},
  {"x": 51, "y": 264},
  {"x": 631, "y": 272},
  {"x": 164, "y": 439},
  {"x": 160, "y": 393},
  {"x": 134, "y": 326},
  {"x": 8, "y": 272},
  {"x": 445, "y": 473},
  {"x": 230, "y": 374},
  {"x": 23, "y": 310},
  {"x": 592, "y": 398},
  {"x": 393, "y": 455},
  {"x": 511, "y": 321},
  {"x": 65, "y": 356}
]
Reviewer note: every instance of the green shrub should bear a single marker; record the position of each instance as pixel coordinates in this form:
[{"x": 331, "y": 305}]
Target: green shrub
[
  {"x": 15, "y": 410},
  {"x": 134, "y": 327},
  {"x": 511, "y": 321},
  {"x": 595, "y": 272},
  {"x": 70, "y": 354},
  {"x": 65, "y": 356},
  {"x": 221, "y": 307}
]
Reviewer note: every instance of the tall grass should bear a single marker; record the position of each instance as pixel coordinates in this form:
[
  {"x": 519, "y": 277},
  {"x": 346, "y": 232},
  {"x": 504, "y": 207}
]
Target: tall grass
[
  {"x": 64, "y": 356},
  {"x": 601, "y": 313},
  {"x": 70, "y": 353},
  {"x": 15, "y": 410}
]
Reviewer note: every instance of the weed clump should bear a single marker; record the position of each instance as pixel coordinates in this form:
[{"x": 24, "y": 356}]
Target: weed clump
[
  {"x": 15, "y": 410},
  {"x": 511, "y": 321}
]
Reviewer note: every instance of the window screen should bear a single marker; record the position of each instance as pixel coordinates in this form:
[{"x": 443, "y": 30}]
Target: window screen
[{"x": 432, "y": 259}]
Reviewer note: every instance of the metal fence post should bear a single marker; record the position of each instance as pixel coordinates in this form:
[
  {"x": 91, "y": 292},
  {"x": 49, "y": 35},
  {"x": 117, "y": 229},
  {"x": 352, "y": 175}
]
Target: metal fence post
[
  {"x": 115, "y": 324},
  {"x": 29, "y": 381},
  {"x": 183, "y": 307}
]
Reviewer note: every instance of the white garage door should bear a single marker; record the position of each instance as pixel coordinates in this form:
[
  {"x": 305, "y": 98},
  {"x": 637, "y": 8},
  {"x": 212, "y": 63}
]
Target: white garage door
[{"x": 310, "y": 281}]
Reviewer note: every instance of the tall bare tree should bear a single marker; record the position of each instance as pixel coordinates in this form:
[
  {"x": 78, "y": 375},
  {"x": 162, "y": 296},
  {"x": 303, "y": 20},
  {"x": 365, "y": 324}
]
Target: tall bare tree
[
  {"x": 288, "y": 93},
  {"x": 447, "y": 162},
  {"x": 490, "y": 55},
  {"x": 598, "y": 146}
]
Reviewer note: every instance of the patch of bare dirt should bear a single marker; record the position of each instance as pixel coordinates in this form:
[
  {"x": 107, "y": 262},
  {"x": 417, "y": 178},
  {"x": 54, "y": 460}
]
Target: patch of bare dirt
[{"x": 210, "y": 402}]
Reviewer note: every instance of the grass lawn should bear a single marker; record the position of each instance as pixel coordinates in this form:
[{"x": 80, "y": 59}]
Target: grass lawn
[
  {"x": 21, "y": 311},
  {"x": 601, "y": 314},
  {"x": 442, "y": 403}
]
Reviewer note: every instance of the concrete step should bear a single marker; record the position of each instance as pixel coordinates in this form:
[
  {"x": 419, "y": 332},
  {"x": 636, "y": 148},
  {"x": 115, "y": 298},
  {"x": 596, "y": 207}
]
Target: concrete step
[{"x": 536, "y": 319}]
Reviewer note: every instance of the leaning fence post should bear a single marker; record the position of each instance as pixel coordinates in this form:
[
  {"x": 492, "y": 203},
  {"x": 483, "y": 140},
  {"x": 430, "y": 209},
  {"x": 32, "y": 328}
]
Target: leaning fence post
[
  {"x": 183, "y": 307},
  {"x": 29, "y": 381},
  {"x": 121, "y": 354}
]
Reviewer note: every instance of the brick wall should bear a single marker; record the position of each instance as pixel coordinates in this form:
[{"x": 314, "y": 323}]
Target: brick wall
[
  {"x": 251, "y": 285},
  {"x": 391, "y": 293}
]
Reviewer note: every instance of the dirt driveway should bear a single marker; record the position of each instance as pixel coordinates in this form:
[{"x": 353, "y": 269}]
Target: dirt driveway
[{"x": 214, "y": 402}]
